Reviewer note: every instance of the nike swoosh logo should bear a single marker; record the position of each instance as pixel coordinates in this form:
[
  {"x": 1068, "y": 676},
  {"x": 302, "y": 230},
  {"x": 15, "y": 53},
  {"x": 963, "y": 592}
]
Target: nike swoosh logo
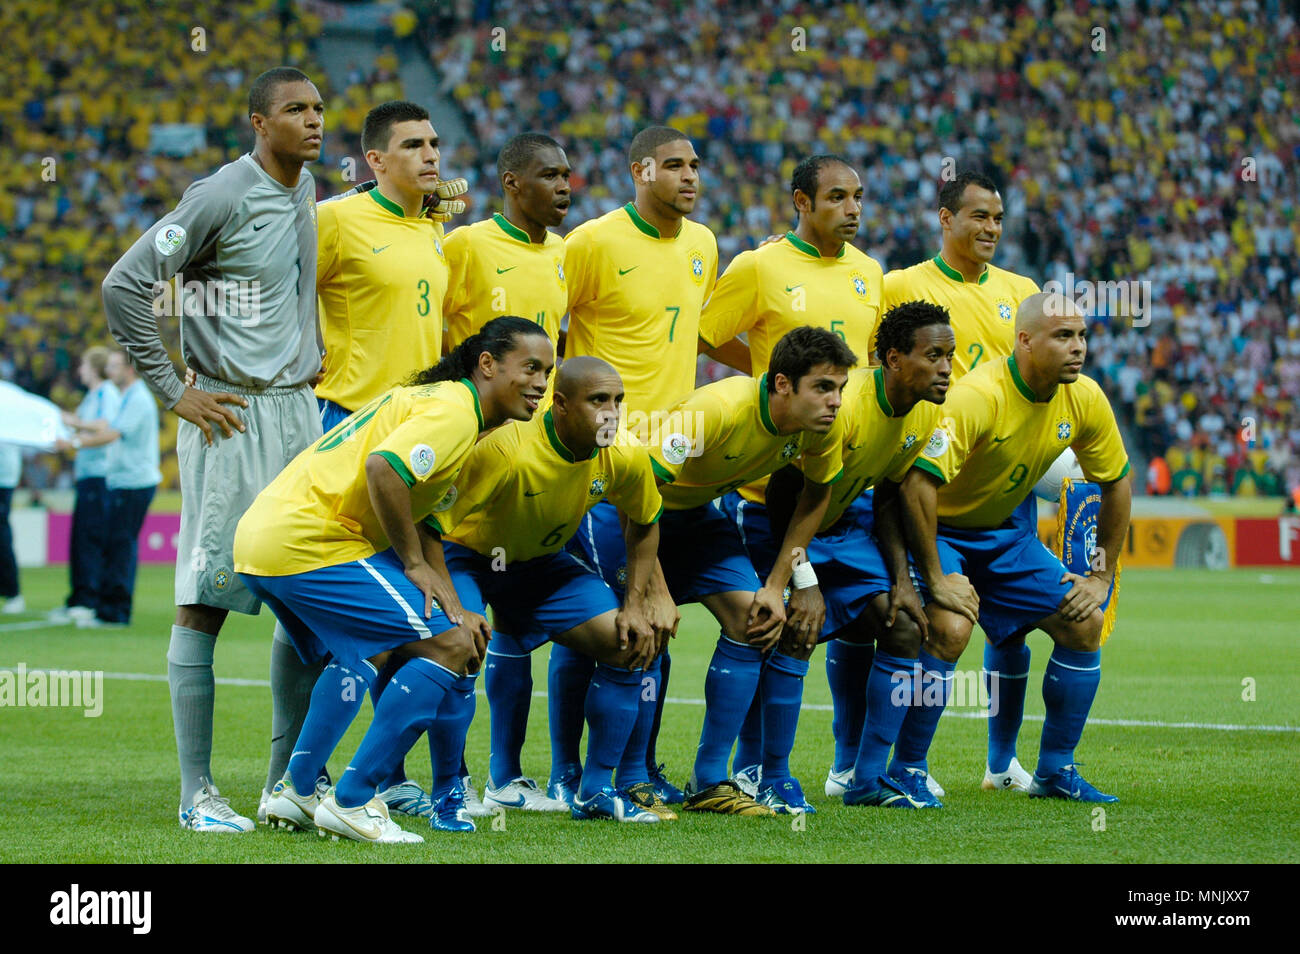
[
  {"x": 533, "y": 493},
  {"x": 999, "y": 440},
  {"x": 791, "y": 288},
  {"x": 852, "y": 447},
  {"x": 624, "y": 271},
  {"x": 502, "y": 271},
  {"x": 378, "y": 250},
  {"x": 730, "y": 456},
  {"x": 258, "y": 228}
]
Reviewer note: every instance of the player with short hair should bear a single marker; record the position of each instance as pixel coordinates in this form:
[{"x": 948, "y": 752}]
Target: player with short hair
[
  {"x": 982, "y": 300},
  {"x": 512, "y": 263},
  {"x": 519, "y": 499},
  {"x": 1005, "y": 423},
  {"x": 251, "y": 226},
  {"x": 812, "y": 275},
  {"x": 858, "y": 553},
  {"x": 746, "y": 429},
  {"x": 339, "y": 545},
  {"x": 381, "y": 268},
  {"x": 638, "y": 280}
]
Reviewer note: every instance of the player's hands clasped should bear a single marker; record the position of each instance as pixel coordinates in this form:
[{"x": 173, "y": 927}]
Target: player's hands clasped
[
  {"x": 805, "y": 616},
  {"x": 955, "y": 593},
  {"x": 904, "y": 598},
  {"x": 200, "y": 408},
  {"x": 1085, "y": 596},
  {"x": 766, "y": 614},
  {"x": 480, "y": 631},
  {"x": 435, "y": 587},
  {"x": 635, "y": 629}
]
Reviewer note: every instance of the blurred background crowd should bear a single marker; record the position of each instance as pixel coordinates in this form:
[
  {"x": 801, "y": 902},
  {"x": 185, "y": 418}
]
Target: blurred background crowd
[{"x": 1136, "y": 141}]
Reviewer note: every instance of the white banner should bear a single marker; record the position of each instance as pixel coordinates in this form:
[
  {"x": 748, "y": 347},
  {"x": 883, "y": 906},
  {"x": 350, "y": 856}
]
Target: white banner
[{"x": 28, "y": 420}]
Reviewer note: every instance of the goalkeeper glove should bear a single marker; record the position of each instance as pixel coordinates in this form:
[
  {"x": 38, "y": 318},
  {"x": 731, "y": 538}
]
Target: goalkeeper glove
[{"x": 441, "y": 204}]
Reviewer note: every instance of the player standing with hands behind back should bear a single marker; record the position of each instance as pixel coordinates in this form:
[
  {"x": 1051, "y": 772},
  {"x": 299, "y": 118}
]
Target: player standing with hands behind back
[{"x": 252, "y": 222}]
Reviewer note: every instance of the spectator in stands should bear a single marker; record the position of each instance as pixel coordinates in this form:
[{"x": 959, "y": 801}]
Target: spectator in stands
[{"x": 11, "y": 466}]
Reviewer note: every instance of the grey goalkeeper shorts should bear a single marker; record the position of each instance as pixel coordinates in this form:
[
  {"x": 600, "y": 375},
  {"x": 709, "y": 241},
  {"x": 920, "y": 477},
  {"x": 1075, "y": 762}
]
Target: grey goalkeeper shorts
[{"x": 219, "y": 483}]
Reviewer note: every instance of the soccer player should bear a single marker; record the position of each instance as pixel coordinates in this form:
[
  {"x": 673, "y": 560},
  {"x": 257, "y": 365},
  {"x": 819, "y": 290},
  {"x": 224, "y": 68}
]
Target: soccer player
[
  {"x": 982, "y": 300},
  {"x": 638, "y": 279},
  {"x": 339, "y": 546},
  {"x": 812, "y": 276},
  {"x": 1005, "y": 423},
  {"x": 381, "y": 270},
  {"x": 250, "y": 225},
  {"x": 512, "y": 264},
  {"x": 11, "y": 470},
  {"x": 521, "y": 496},
  {"x": 858, "y": 554},
  {"x": 746, "y": 430},
  {"x": 381, "y": 277}
]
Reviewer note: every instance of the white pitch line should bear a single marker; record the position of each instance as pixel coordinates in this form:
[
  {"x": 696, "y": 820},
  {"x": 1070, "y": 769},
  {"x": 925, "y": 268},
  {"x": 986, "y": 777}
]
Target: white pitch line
[
  {"x": 807, "y": 706},
  {"x": 32, "y": 624}
]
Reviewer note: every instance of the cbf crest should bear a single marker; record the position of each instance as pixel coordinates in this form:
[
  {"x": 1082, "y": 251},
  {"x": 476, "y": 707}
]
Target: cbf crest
[
  {"x": 597, "y": 488},
  {"x": 1004, "y": 309},
  {"x": 859, "y": 283},
  {"x": 790, "y": 449},
  {"x": 696, "y": 259},
  {"x": 559, "y": 274},
  {"x": 1064, "y": 430}
]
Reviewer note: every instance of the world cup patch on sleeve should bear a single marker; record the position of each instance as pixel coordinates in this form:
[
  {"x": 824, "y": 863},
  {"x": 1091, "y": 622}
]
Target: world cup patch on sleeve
[
  {"x": 169, "y": 239},
  {"x": 937, "y": 444},
  {"x": 422, "y": 460}
]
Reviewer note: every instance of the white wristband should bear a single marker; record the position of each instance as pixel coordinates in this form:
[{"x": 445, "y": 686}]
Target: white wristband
[{"x": 803, "y": 576}]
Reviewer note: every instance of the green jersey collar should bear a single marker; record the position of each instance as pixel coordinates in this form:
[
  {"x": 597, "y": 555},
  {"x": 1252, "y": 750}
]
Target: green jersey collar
[
  {"x": 548, "y": 422},
  {"x": 386, "y": 203},
  {"x": 956, "y": 275},
  {"x": 881, "y": 398},
  {"x": 764, "y": 410},
  {"x": 513, "y": 231},
  {"x": 1025, "y": 390},
  {"x": 478, "y": 410},
  {"x": 643, "y": 225},
  {"x": 807, "y": 249}
]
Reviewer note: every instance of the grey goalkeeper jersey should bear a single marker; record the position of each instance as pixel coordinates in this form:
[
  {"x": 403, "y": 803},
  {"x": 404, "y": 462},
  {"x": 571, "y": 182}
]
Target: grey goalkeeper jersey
[{"x": 245, "y": 248}]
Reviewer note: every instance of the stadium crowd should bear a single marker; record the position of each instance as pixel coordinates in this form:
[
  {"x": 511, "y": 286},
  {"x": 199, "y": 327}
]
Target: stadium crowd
[{"x": 1148, "y": 142}]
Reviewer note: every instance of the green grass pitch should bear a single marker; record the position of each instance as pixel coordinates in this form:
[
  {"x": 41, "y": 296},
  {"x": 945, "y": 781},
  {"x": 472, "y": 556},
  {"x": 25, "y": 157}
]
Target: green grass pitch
[{"x": 1193, "y": 650}]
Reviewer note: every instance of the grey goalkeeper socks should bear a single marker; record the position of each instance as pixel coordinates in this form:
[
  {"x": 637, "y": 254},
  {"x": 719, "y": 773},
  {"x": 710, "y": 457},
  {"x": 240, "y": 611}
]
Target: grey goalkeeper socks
[{"x": 189, "y": 676}]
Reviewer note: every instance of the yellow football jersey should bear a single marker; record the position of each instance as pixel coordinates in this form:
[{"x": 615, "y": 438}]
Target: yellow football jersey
[
  {"x": 380, "y": 281},
  {"x": 877, "y": 443},
  {"x": 772, "y": 290},
  {"x": 317, "y": 512},
  {"x": 634, "y": 300},
  {"x": 523, "y": 491},
  {"x": 995, "y": 440},
  {"x": 729, "y": 439},
  {"x": 495, "y": 269},
  {"x": 983, "y": 312}
]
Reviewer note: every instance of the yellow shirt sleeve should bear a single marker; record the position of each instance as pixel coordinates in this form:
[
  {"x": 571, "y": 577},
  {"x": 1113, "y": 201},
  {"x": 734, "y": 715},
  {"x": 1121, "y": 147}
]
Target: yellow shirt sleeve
[
  {"x": 968, "y": 414},
  {"x": 1100, "y": 448},
  {"x": 421, "y": 446},
  {"x": 486, "y": 471},
  {"x": 927, "y": 418},
  {"x": 733, "y": 307},
  {"x": 578, "y": 271},
  {"x": 670, "y": 456},
  {"x": 634, "y": 490},
  {"x": 327, "y": 244},
  {"x": 456, "y": 248},
  {"x": 823, "y": 455}
]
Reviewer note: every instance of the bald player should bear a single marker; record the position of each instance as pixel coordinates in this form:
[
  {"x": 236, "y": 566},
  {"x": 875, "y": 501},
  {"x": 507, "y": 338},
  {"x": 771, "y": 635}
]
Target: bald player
[
  {"x": 1004, "y": 425},
  {"x": 519, "y": 498},
  {"x": 981, "y": 300}
]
